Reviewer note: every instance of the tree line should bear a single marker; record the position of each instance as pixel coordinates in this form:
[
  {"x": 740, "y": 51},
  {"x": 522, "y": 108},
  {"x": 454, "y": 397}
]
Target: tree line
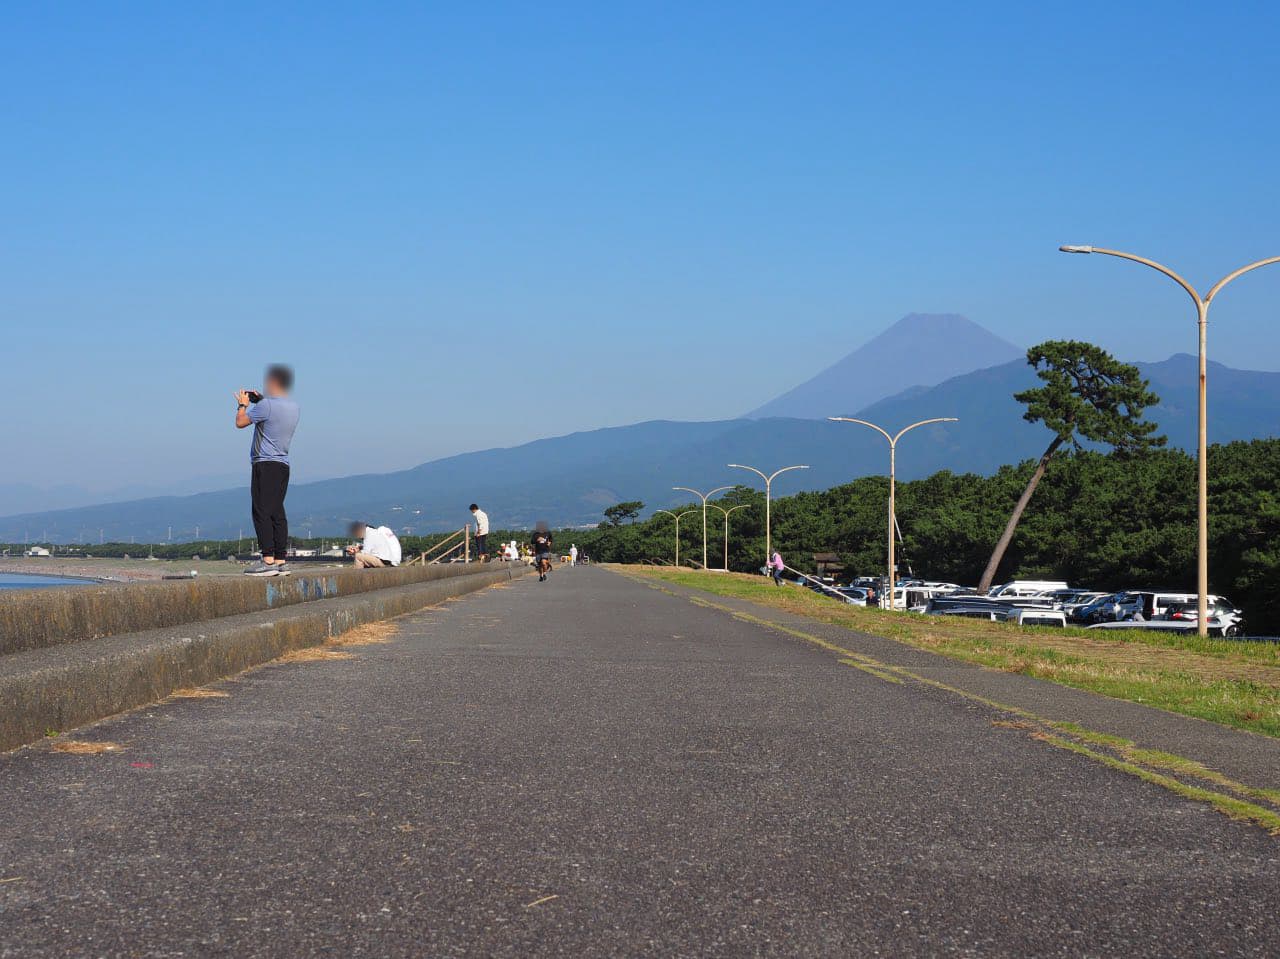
[{"x": 1112, "y": 521}]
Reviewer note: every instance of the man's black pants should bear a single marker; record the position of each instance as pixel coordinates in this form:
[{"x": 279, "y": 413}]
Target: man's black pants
[{"x": 268, "y": 487}]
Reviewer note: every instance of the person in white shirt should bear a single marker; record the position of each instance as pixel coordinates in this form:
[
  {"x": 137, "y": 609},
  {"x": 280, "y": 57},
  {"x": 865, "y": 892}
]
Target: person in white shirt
[
  {"x": 482, "y": 532},
  {"x": 573, "y": 555},
  {"x": 378, "y": 546}
]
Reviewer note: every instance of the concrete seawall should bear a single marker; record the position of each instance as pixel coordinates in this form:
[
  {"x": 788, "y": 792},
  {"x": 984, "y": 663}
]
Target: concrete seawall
[
  {"x": 70, "y": 684},
  {"x": 40, "y": 618}
]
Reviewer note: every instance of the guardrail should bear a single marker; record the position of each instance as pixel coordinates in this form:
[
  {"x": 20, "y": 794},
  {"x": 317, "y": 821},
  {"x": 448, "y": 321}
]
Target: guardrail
[
  {"x": 818, "y": 583},
  {"x": 438, "y": 552}
]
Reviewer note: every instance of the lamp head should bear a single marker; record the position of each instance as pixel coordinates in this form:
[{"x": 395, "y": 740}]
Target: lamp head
[{"x": 1075, "y": 249}]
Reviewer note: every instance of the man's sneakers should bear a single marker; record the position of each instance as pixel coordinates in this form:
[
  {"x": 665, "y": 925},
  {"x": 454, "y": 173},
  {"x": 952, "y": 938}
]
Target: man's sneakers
[
  {"x": 282, "y": 568},
  {"x": 264, "y": 569}
]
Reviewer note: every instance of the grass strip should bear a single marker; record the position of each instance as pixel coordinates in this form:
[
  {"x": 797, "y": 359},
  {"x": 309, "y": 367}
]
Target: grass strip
[{"x": 1229, "y": 806}]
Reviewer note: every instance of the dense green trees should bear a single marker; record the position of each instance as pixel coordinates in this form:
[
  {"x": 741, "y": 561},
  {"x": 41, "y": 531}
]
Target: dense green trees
[{"x": 1111, "y": 520}]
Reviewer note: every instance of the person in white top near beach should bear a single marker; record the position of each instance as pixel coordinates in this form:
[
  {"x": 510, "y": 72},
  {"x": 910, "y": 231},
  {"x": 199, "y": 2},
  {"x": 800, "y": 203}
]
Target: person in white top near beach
[
  {"x": 573, "y": 555},
  {"x": 378, "y": 547}
]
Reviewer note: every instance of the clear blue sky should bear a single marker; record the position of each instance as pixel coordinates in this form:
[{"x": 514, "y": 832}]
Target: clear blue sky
[{"x": 634, "y": 211}]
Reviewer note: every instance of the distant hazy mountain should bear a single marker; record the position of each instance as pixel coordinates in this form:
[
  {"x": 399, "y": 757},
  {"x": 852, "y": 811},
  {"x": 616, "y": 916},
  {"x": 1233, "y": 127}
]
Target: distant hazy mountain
[
  {"x": 921, "y": 349},
  {"x": 570, "y": 479}
]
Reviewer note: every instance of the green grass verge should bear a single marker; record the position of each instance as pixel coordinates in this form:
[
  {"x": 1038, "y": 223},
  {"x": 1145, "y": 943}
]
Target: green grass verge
[{"x": 1224, "y": 681}]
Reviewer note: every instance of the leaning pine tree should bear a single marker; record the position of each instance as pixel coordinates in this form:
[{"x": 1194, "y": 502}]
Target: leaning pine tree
[{"x": 1088, "y": 394}]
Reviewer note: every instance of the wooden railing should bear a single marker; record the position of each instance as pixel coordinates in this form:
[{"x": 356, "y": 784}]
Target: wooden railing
[{"x": 461, "y": 540}]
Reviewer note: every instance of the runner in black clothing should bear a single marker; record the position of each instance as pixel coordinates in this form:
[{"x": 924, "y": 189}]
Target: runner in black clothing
[{"x": 542, "y": 551}]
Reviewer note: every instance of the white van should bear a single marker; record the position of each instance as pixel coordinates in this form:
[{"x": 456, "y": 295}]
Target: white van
[
  {"x": 1037, "y": 617},
  {"x": 1026, "y": 587}
]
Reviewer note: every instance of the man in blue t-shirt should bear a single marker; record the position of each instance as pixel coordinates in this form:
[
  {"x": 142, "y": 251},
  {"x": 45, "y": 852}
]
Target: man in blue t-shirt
[{"x": 273, "y": 416}]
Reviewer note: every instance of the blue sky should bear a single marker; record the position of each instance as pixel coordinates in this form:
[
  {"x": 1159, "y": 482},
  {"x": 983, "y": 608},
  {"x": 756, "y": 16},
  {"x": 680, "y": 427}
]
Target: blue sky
[{"x": 472, "y": 225}]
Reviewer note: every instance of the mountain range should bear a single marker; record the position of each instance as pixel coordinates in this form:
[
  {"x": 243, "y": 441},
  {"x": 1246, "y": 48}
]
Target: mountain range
[{"x": 569, "y": 480}]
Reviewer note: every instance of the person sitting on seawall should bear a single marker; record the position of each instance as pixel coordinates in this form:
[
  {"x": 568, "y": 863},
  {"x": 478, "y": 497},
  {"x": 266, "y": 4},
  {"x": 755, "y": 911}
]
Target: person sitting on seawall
[{"x": 378, "y": 546}]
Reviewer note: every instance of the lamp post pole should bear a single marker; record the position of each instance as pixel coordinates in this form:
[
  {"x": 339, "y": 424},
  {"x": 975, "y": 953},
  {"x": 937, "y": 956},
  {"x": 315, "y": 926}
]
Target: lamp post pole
[
  {"x": 677, "y": 519},
  {"x": 1202, "y": 492},
  {"x": 893, "y": 456},
  {"x": 726, "y": 513},
  {"x": 768, "y": 485},
  {"x": 703, "y": 497}
]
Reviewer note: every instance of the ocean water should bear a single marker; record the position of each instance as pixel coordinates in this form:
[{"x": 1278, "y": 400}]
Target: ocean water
[{"x": 19, "y": 581}]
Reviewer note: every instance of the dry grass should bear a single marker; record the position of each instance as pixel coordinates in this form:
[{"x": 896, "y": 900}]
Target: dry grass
[
  {"x": 199, "y": 692},
  {"x": 370, "y": 634},
  {"x": 81, "y": 747},
  {"x": 313, "y": 654}
]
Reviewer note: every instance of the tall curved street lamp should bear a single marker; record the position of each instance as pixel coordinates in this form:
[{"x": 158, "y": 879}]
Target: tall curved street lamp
[
  {"x": 893, "y": 455},
  {"x": 1202, "y": 497},
  {"x": 726, "y": 513},
  {"x": 703, "y": 497},
  {"x": 677, "y": 519},
  {"x": 768, "y": 486}
]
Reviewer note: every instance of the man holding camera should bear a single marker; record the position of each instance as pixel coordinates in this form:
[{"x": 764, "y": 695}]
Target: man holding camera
[{"x": 274, "y": 417}]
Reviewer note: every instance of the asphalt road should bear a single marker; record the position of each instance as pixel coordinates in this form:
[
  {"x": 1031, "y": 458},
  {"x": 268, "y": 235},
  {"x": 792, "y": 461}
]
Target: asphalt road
[{"x": 587, "y": 767}]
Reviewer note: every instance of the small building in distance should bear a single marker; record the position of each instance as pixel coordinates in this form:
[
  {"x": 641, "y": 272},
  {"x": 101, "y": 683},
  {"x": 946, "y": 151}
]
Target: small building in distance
[
  {"x": 37, "y": 551},
  {"x": 828, "y": 564}
]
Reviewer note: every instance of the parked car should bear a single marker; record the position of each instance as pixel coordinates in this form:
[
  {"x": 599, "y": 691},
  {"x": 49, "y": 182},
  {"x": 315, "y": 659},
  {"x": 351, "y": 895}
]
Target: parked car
[
  {"x": 1081, "y": 597},
  {"x": 1026, "y": 587},
  {"x": 989, "y": 613},
  {"x": 853, "y": 595},
  {"x": 1037, "y": 617},
  {"x": 1223, "y": 615},
  {"x": 1101, "y": 610},
  {"x": 1159, "y": 604}
]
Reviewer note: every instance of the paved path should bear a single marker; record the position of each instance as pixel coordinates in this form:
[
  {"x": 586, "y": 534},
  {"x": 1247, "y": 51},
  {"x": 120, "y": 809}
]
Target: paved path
[{"x": 588, "y": 767}]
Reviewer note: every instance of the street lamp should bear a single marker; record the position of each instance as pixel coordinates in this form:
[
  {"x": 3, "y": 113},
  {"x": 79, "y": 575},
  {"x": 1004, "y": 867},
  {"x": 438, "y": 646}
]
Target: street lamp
[
  {"x": 726, "y": 513},
  {"x": 893, "y": 455},
  {"x": 768, "y": 484},
  {"x": 1202, "y": 499},
  {"x": 703, "y": 497},
  {"x": 677, "y": 519}
]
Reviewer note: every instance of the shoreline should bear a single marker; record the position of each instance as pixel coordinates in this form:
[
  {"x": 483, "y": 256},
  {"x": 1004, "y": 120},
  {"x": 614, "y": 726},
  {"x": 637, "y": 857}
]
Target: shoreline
[{"x": 93, "y": 571}]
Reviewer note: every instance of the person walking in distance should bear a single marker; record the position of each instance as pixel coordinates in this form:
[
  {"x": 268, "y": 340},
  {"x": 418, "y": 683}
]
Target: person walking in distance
[
  {"x": 542, "y": 551},
  {"x": 573, "y": 554},
  {"x": 776, "y": 566},
  {"x": 274, "y": 416},
  {"x": 482, "y": 532}
]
